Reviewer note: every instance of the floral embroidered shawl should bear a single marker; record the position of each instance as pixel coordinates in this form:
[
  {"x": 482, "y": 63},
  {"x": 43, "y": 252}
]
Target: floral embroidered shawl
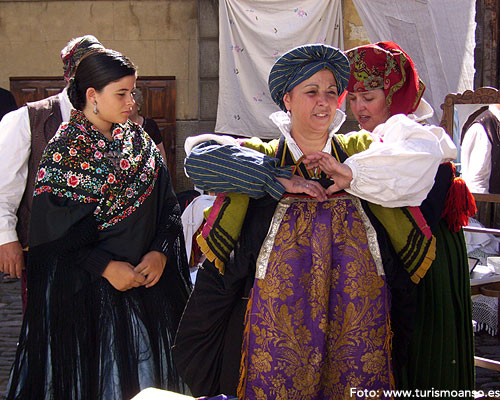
[{"x": 81, "y": 164}]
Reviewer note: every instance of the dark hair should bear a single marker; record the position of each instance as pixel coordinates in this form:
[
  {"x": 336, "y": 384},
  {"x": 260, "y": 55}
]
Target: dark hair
[{"x": 96, "y": 70}]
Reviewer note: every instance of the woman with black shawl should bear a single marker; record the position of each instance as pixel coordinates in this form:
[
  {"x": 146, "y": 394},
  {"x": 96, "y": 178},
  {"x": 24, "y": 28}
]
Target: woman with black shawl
[{"x": 107, "y": 273}]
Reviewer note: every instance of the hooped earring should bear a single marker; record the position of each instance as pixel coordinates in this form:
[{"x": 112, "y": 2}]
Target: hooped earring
[{"x": 96, "y": 111}]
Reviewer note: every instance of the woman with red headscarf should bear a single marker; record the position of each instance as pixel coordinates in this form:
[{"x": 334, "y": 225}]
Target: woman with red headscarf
[{"x": 384, "y": 82}]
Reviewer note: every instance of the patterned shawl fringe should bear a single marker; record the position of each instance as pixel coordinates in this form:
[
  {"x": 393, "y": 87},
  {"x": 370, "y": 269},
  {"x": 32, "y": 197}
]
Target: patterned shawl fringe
[{"x": 70, "y": 330}]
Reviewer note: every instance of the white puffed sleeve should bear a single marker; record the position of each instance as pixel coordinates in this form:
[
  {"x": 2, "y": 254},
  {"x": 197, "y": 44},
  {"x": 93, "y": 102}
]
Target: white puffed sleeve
[
  {"x": 476, "y": 159},
  {"x": 400, "y": 169},
  {"x": 15, "y": 149}
]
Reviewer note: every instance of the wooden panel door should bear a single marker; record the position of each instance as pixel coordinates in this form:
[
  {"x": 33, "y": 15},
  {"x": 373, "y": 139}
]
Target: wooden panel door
[
  {"x": 159, "y": 103},
  {"x": 26, "y": 90}
]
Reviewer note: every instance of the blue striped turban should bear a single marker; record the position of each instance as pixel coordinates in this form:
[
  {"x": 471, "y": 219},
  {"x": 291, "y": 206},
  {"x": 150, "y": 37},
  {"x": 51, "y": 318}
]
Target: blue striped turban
[{"x": 301, "y": 63}]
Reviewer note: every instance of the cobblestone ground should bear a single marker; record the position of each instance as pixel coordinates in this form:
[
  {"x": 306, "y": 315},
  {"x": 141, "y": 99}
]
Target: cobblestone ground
[
  {"x": 11, "y": 316},
  {"x": 10, "y": 324}
]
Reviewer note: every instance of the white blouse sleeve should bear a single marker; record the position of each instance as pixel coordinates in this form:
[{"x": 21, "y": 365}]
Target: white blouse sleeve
[
  {"x": 476, "y": 159},
  {"x": 15, "y": 149},
  {"x": 400, "y": 169}
]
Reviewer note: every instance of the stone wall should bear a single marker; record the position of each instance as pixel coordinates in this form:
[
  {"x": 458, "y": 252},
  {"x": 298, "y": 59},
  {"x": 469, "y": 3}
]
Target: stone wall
[
  {"x": 160, "y": 37},
  {"x": 354, "y": 31},
  {"x": 208, "y": 84}
]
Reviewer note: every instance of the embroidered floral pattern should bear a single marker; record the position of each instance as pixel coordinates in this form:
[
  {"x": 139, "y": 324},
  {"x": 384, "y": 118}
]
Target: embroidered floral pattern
[
  {"x": 82, "y": 165},
  {"x": 300, "y": 12},
  {"x": 317, "y": 323}
]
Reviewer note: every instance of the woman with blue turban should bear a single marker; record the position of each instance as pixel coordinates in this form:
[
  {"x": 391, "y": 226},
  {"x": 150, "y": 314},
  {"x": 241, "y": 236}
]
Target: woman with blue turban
[{"x": 301, "y": 250}]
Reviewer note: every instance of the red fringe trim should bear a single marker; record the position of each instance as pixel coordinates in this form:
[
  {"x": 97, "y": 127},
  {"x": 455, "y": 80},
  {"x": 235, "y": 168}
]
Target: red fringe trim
[{"x": 459, "y": 205}]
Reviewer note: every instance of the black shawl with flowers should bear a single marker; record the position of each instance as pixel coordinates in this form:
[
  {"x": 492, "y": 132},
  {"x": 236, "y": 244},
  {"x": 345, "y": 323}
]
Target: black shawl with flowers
[
  {"x": 98, "y": 200},
  {"x": 82, "y": 165}
]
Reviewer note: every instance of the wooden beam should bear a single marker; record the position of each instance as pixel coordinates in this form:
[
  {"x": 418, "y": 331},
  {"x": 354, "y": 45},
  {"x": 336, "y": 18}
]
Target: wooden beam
[{"x": 487, "y": 363}]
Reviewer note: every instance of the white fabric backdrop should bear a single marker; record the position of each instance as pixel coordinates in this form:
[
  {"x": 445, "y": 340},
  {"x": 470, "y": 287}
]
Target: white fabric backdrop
[
  {"x": 253, "y": 34},
  {"x": 439, "y": 35}
]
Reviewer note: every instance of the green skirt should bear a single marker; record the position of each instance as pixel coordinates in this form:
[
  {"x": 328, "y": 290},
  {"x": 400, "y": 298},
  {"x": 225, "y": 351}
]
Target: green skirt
[{"x": 441, "y": 352}]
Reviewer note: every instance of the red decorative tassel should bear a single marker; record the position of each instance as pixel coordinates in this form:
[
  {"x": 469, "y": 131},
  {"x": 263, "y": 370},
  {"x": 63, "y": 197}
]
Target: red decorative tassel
[{"x": 459, "y": 205}]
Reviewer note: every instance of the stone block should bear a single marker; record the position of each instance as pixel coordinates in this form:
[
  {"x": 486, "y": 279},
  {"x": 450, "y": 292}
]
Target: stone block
[
  {"x": 31, "y": 58},
  {"x": 193, "y": 85},
  {"x": 142, "y": 53},
  {"x": 183, "y": 19},
  {"x": 12, "y": 27},
  {"x": 207, "y": 126},
  {"x": 209, "y": 58},
  {"x": 172, "y": 57},
  {"x": 154, "y": 20},
  {"x": 354, "y": 31},
  {"x": 209, "y": 91},
  {"x": 209, "y": 19},
  {"x": 186, "y": 100},
  {"x": 184, "y": 129},
  {"x": 56, "y": 20}
]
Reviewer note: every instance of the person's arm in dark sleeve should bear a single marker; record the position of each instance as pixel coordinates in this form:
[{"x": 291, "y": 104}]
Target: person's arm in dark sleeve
[
  {"x": 64, "y": 226},
  {"x": 432, "y": 207}
]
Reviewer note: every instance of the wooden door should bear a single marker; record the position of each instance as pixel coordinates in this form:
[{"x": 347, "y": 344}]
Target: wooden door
[
  {"x": 26, "y": 90},
  {"x": 159, "y": 103}
]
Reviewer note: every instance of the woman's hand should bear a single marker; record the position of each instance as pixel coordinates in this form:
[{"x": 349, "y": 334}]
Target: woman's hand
[
  {"x": 122, "y": 276},
  {"x": 298, "y": 184},
  {"x": 340, "y": 173},
  {"x": 11, "y": 259},
  {"x": 151, "y": 266}
]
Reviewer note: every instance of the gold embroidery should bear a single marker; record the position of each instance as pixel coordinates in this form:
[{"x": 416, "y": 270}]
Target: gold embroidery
[
  {"x": 280, "y": 216},
  {"x": 354, "y": 290}
]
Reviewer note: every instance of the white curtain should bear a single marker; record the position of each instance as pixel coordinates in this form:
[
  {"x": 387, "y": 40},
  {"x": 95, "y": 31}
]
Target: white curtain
[
  {"x": 439, "y": 36},
  {"x": 253, "y": 34}
]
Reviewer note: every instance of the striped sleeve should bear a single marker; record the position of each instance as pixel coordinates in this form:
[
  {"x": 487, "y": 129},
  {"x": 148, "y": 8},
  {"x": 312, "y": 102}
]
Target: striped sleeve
[{"x": 235, "y": 169}]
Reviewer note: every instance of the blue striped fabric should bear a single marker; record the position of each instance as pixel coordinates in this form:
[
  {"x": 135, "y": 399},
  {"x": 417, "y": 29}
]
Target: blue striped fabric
[
  {"x": 301, "y": 63},
  {"x": 217, "y": 168}
]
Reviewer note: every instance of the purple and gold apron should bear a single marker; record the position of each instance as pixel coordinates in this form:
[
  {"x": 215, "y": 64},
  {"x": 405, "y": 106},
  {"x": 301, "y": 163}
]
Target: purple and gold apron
[{"x": 317, "y": 322}]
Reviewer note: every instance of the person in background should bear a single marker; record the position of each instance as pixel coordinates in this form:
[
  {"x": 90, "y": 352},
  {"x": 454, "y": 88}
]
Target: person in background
[
  {"x": 24, "y": 133},
  {"x": 440, "y": 354},
  {"x": 480, "y": 152},
  {"x": 7, "y": 102},
  {"x": 148, "y": 124},
  {"x": 308, "y": 262},
  {"x": 107, "y": 271}
]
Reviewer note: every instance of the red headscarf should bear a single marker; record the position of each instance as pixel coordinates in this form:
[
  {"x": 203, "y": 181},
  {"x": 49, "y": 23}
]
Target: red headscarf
[
  {"x": 384, "y": 65},
  {"x": 75, "y": 50}
]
